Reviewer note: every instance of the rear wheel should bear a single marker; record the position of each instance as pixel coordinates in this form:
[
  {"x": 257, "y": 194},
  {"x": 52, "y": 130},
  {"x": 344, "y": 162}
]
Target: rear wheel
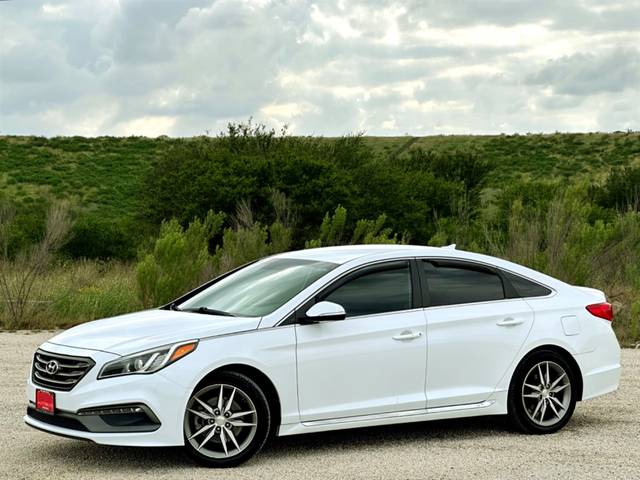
[
  {"x": 226, "y": 421},
  {"x": 542, "y": 395}
]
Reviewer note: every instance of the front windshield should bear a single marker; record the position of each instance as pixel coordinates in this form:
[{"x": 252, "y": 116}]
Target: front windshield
[{"x": 261, "y": 288}]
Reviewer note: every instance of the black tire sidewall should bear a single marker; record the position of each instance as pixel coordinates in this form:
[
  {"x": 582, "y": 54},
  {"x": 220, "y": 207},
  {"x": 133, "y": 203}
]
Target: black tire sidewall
[
  {"x": 516, "y": 411},
  {"x": 253, "y": 390}
]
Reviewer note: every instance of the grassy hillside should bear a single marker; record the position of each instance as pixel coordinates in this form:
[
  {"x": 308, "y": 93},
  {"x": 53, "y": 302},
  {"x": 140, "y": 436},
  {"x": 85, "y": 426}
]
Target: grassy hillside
[
  {"x": 530, "y": 156},
  {"x": 105, "y": 173},
  {"x": 102, "y": 173},
  {"x": 557, "y": 203}
]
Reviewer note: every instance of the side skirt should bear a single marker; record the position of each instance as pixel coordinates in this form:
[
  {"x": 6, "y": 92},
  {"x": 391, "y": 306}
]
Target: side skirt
[{"x": 488, "y": 407}]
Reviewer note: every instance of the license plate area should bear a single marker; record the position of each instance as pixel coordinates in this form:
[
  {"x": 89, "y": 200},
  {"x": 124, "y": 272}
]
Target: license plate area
[{"x": 45, "y": 401}]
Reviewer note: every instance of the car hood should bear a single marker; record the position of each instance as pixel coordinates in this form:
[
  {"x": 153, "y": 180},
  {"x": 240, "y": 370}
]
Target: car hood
[{"x": 139, "y": 331}]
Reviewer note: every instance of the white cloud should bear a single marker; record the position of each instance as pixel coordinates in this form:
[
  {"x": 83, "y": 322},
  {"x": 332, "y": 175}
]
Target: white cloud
[
  {"x": 148, "y": 126},
  {"x": 324, "y": 67}
]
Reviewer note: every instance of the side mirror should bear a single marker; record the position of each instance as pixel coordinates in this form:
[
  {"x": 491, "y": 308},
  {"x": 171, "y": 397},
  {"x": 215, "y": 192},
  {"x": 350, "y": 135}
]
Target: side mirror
[{"x": 324, "y": 311}]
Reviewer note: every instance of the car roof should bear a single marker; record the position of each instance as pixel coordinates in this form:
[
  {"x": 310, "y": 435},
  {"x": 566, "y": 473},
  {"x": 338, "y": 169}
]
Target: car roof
[
  {"x": 363, "y": 253},
  {"x": 347, "y": 253}
]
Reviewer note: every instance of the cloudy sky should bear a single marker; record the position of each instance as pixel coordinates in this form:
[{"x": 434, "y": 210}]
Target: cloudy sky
[{"x": 182, "y": 67}]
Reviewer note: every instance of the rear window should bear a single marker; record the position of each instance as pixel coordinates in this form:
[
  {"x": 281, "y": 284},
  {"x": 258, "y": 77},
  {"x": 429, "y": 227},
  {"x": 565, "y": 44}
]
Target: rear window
[
  {"x": 455, "y": 283},
  {"x": 526, "y": 288}
]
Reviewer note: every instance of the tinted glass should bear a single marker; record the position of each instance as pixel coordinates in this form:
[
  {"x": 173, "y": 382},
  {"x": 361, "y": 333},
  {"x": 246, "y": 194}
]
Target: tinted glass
[
  {"x": 261, "y": 288},
  {"x": 376, "y": 292},
  {"x": 526, "y": 288},
  {"x": 454, "y": 284}
]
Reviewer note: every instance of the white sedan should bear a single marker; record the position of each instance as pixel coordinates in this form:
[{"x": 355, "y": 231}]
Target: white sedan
[{"x": 328, "y": 339}]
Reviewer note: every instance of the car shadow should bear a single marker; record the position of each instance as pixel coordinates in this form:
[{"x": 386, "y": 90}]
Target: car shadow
[{"x": 149, "y": 459}]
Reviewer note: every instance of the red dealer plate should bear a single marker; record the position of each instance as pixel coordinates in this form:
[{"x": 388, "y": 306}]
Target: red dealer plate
[{"x": 45, "y": 401}]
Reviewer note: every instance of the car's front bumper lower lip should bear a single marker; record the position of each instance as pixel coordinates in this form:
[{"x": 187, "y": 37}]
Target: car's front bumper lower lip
[
  {"x": 139, "y": 439},
  {"x": 107, "y": 419}
]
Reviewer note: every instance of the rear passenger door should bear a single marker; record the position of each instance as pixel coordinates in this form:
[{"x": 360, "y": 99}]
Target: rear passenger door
[{"x": 474, "y": 330}]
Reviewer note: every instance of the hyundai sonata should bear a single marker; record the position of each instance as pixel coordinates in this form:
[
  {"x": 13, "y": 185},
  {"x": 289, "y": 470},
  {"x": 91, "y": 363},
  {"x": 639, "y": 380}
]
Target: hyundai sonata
[{"x": 328, "y": 339}]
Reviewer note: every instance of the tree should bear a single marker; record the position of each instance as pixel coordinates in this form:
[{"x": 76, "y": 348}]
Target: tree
[{"x": 19, "y": 273}]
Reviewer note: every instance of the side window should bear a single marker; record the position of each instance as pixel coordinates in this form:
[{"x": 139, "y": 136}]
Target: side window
[
  {"x": 455, "y": 283},
  {"x": 381, "y": 290},
  {"x": 526, "y": 288}
]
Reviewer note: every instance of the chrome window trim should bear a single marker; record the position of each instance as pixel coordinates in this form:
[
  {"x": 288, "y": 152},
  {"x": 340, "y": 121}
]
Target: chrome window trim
[
  {"x": 355, "y": 317},
  {"x": 486, "y": 302}
]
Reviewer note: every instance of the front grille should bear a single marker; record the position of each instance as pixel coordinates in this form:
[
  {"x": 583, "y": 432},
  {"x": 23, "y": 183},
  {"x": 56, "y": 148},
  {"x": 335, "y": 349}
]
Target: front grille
[{"x": 59, "y": 372}]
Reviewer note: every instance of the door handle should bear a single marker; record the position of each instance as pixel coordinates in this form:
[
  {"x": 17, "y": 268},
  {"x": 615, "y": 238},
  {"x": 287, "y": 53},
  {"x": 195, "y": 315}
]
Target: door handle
[
  {"x": 509, "y": 322},
  {"x": 407, "y": 335}
]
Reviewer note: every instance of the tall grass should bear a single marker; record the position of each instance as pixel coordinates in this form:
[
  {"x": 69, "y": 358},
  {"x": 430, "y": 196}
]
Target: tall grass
[{"x": 70, "y": 293}]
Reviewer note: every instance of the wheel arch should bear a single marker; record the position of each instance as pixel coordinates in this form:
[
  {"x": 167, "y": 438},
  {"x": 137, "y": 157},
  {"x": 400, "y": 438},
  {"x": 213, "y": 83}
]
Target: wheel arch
[
  {"x": 258, "y": 376},
  {"x": 565, "y": 354}
]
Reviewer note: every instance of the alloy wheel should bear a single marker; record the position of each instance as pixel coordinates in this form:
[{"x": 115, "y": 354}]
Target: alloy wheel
[
  {"x": 546, "y": 393},
  {"x": 221, "y": 421}
]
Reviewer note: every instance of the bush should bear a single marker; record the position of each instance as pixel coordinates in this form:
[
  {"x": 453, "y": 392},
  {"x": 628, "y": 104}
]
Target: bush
[
  {"x": 316, "y": 175},
  {"x": 621, "y": 190},
  {"x": 178, "y": 261},
  {"x": 96, "y": 237},
  {"x": 181, "y": 260},
  {"x": 332, "y": 231},
  {"x": 249, "y": 240},
  {"x": 247, "y": 162},
  {"x": 459, "y": 166},
  {"x": 534, "y": 197}
]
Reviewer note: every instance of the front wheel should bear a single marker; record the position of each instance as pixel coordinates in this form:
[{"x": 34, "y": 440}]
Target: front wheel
[
  {"x": 226, "y": 421},
  {"x": 542, "y": 395}
]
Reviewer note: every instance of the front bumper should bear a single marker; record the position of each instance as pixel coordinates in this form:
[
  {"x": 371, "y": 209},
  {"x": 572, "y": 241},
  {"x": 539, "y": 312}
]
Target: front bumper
[{"x": 163, "y": 399}]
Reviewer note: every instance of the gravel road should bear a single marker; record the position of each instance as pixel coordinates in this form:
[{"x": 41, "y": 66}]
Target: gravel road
[{"x": 601, "y": 441}]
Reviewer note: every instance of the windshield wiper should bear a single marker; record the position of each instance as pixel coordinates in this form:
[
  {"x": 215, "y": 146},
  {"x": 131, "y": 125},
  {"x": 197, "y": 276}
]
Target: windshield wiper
[{"x": 205, "y": 310}]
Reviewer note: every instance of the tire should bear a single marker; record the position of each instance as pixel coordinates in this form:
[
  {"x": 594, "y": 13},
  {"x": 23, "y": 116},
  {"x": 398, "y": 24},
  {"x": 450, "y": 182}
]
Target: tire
[
  {"x": 229, "y": 435},
  {"x": 542, "y": 401}
]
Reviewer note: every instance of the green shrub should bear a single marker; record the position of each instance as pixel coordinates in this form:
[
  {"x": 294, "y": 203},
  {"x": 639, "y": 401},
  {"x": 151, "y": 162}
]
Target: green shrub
[
  {"x": 178, "y": 260},
  {"x": 249, "y": 240},
  {"x": 315, "y": 174},
  {"x": 96, "y": 237},
  {"x": 459, "y": 166},
  {"x": 332, "y": 231},
  {"x": 248, "y": 162},
  {"x": 621, "y": 190}
]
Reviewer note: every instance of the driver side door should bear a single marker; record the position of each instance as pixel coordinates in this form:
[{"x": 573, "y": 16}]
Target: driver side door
[{"x": 372, "y": 362}]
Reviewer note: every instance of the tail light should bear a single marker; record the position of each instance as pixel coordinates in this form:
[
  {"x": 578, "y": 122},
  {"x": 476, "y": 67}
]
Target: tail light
[{"x": 601, "y": 310}]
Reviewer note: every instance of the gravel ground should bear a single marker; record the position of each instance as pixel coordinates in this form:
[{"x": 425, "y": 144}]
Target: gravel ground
[{"x": 601, "y": 441}]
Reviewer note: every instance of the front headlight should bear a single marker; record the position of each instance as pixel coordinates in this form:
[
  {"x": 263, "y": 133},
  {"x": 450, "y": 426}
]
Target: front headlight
[{"x": 149, "y": 361}]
